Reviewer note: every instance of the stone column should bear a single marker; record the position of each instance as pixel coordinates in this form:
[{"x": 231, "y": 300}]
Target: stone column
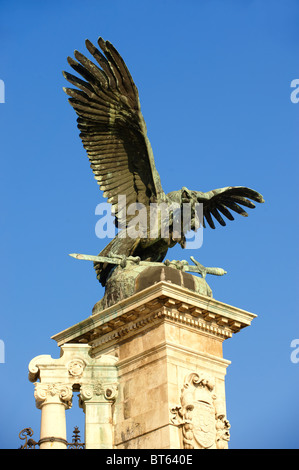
[
  {"x": 55, "y": 379},
  {"x": 53, "y": 400},
  {"x": 96, "y": 401}
]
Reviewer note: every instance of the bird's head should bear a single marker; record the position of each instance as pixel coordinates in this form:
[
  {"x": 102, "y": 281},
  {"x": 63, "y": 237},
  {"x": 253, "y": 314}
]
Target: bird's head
[
  {"x": 189, "y": 196},
  {"x": 186, "y": 195},
  {"x": 190, "y": 210},
  {"x": 186, "y": 200},
  {"x": 182, "y": 196}
]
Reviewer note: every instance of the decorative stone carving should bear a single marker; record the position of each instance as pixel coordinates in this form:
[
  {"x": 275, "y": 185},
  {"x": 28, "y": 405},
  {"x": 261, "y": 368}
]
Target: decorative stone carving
[
  {"x": 53, "y": 392},
  {"x": 222, "y": 431},
  {"x": 99, "y": 390},
  {"x": 76, "y": 368},
  {"x": 55, "y": 380},
  {"x": 202, "y": 427}
]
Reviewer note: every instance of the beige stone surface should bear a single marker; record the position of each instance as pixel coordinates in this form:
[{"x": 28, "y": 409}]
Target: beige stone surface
[
  {"x": 167, "y": 345},
  {"x": 151, "y": 382}
]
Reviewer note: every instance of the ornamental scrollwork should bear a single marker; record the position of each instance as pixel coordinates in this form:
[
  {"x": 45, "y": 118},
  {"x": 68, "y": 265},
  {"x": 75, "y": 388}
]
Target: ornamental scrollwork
[
  {"x": 53, "y": 392},
  {"x": 203, "y": 426},
  {"x": 76, "y": 368},
  {"x": 99, "y": 390},
  {"x": 222, "y": 431}
]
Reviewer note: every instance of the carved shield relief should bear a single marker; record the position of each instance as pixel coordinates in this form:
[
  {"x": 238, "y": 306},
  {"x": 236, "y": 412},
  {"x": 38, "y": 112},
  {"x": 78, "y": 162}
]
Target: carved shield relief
[
  {"x": 203, "y": 426},
  {"x": 203, "y": 420}
]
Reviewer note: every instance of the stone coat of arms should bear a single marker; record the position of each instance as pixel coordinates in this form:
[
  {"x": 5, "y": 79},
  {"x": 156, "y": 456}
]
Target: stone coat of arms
[{"x": 203, "y": 425}]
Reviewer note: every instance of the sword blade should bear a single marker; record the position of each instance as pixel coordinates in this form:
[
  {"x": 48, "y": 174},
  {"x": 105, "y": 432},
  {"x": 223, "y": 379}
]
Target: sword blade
[
  {"x": 99, "y": 259},
  {"x": 186, "y": 268}
]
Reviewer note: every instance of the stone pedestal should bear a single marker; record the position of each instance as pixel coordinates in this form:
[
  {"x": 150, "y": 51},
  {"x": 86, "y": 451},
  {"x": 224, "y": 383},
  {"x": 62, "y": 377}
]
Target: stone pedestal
[{"x": 150, "y": 370}]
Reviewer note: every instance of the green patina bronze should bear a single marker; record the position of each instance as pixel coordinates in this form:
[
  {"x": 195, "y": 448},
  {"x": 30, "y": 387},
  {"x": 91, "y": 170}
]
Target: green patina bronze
[{"x": 113, "y": 132}]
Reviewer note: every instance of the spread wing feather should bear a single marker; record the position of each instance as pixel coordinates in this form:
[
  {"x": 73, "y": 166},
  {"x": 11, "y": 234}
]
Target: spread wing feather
[
  {"x": 112, "y": 128},
  {"x": 221, "y": 201}
]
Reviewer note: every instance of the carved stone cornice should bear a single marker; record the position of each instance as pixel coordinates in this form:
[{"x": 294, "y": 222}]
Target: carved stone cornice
[
  {"x": 75, "y": 366},
  {"x": 164, "y": 313},
  {"x": 160, "y": 302},
  {"x": 53, "y": 393}
]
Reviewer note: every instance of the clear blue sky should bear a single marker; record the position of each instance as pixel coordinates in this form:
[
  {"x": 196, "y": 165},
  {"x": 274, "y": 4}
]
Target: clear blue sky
[{"x": 214, "y": 82}]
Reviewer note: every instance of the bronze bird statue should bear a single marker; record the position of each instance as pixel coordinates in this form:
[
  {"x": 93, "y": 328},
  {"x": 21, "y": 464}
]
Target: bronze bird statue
[{"x": 113, "y": 132}]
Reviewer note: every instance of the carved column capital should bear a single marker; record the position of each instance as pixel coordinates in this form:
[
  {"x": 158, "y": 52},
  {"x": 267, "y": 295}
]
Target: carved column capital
[
  {"x": 53, "y": 393},
  {"x": 98, "y": 392},
  {"x": 96, "y": 399}
]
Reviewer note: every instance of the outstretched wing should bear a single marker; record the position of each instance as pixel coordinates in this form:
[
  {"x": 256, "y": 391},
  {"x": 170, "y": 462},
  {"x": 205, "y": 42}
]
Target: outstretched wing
[
  {"x": 112, "y": 127},
  {"x": 219, "y": 202}
]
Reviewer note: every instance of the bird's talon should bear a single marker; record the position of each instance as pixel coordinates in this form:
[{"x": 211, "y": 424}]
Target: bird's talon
[{"x": 123, "y": 262}]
